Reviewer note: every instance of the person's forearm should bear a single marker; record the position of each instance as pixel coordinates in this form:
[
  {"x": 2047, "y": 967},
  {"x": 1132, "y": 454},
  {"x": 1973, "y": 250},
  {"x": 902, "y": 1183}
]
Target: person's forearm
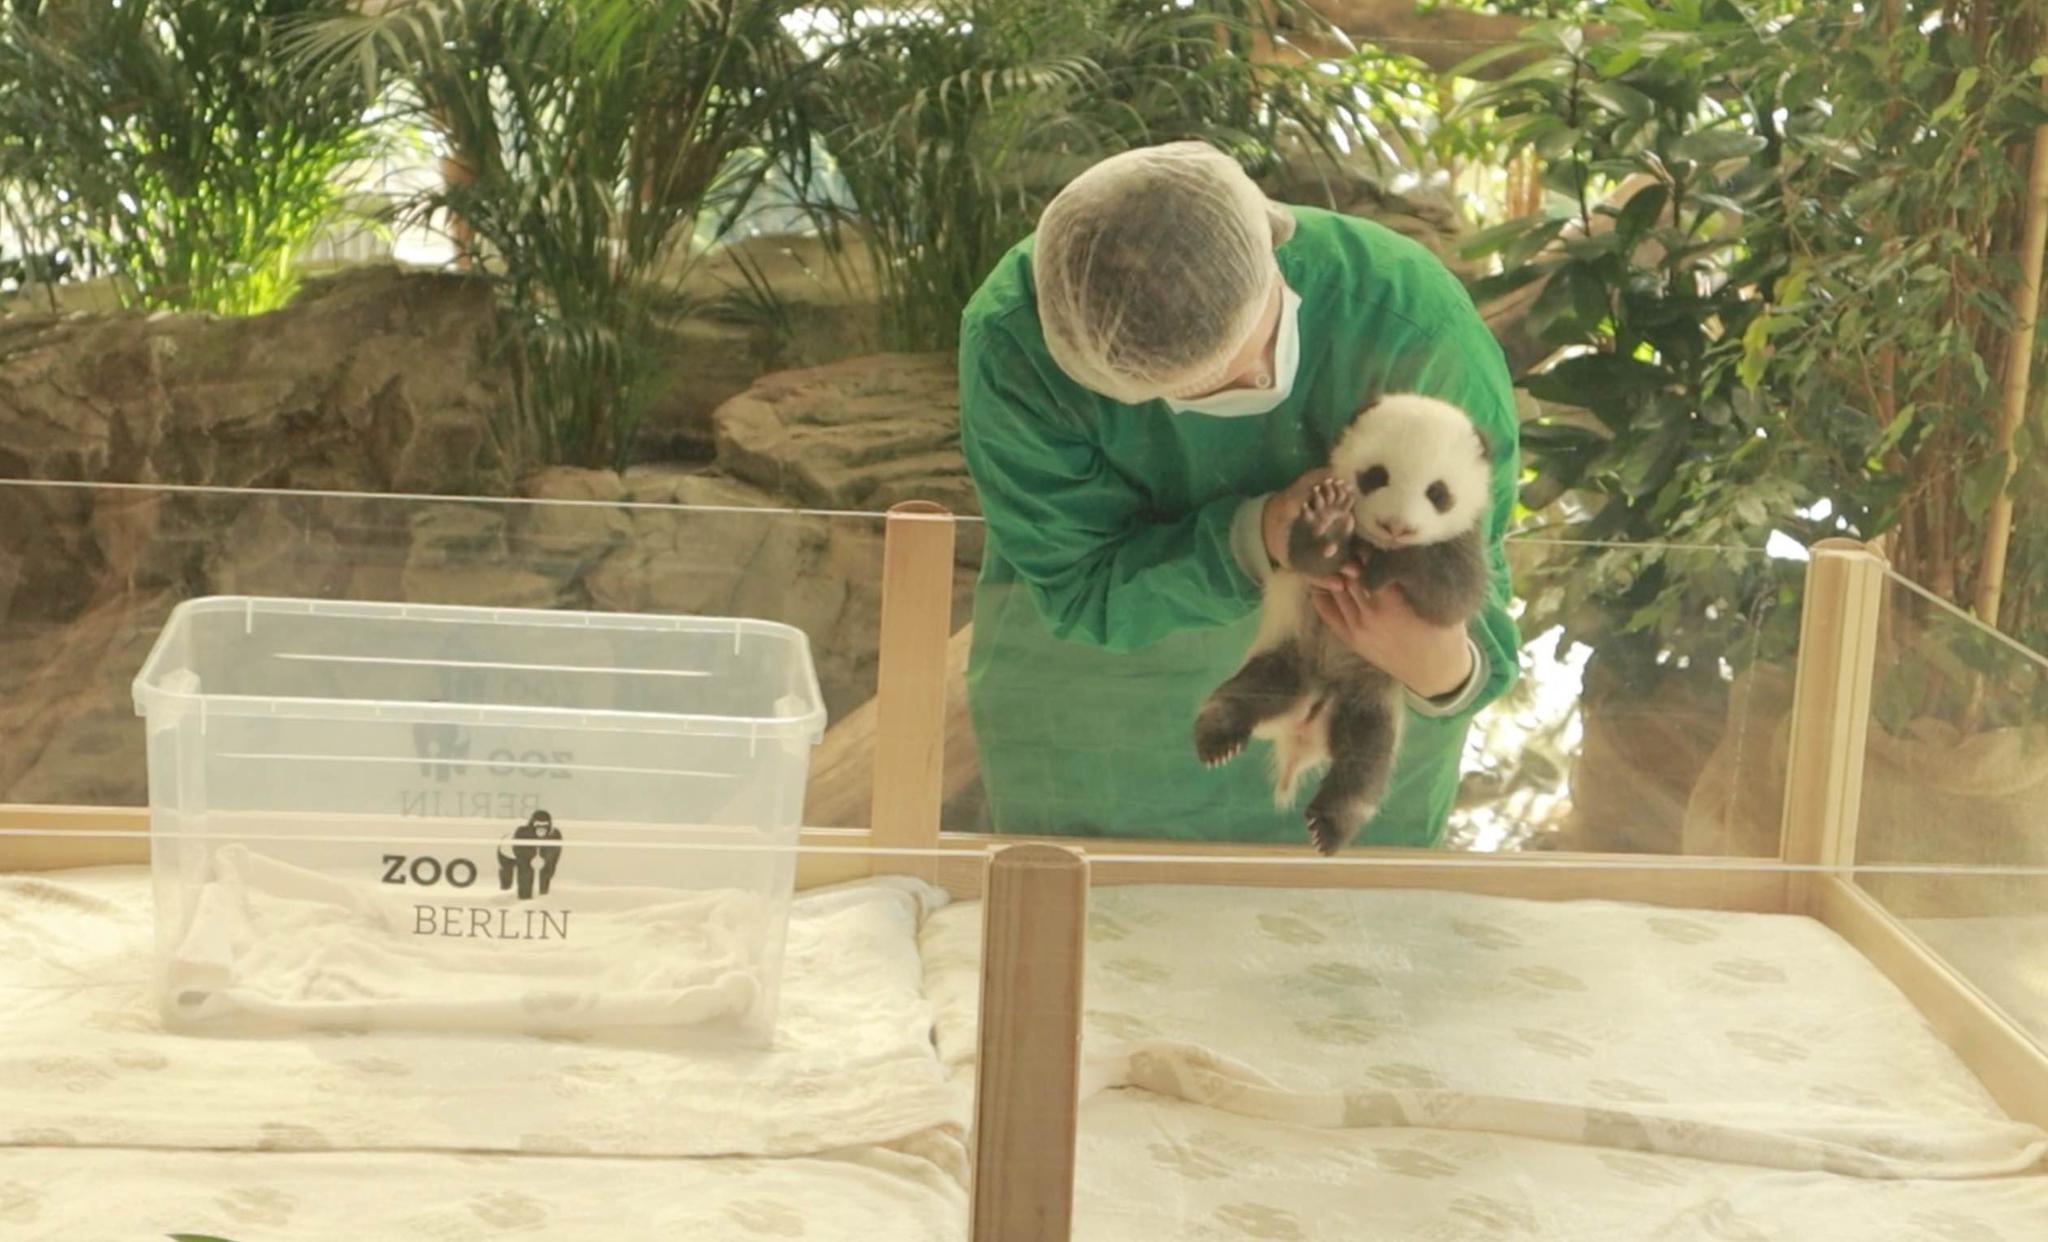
[{"x": 1158, "y": 579}]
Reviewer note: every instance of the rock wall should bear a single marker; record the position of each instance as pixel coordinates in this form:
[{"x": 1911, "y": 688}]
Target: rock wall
[
  {"x": 374, "y": 380},
  {"x": 764, "y": 305}
]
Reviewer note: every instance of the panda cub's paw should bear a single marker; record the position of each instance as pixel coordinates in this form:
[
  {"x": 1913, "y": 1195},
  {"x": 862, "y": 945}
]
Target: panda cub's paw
[
  {"x": 1217, "y": 740},
  {"x": 1319, "y": 542},
  {"x": 1332, "y": 826}
]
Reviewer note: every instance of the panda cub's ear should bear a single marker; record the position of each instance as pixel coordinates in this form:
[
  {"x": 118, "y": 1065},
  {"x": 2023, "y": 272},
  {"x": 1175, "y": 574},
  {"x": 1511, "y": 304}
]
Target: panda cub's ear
[{"x": 1485, "y": 445}]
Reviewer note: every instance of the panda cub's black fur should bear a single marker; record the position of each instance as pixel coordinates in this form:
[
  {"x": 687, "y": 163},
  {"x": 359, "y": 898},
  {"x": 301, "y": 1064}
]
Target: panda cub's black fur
[{"x": 1411, "y": 485}]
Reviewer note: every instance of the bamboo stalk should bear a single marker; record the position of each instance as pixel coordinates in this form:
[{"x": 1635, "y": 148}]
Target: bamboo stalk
[{"x": 2019, "y": 363}]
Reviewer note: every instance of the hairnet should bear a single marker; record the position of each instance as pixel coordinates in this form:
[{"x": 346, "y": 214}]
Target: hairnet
[{"x": 1152, "y": 269}]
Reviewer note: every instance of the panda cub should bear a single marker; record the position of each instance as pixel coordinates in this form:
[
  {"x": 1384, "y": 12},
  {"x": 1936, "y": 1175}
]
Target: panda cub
[{"x": 1411, "y": 484}]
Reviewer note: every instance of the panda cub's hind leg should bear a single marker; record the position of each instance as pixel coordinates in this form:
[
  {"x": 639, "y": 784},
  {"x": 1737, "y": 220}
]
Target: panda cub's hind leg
[
  {"x": 1268, "y": 686},
  {"x": 1364, "y": 731}
]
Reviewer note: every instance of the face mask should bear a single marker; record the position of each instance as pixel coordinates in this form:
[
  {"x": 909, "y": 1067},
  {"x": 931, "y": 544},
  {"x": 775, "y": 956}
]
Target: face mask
[{"x": 1244, "y": 402}]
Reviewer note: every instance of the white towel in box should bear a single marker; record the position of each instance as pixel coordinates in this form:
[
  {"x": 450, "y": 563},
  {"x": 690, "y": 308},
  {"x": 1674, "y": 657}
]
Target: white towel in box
[
  {"x": 272, "y": 941},
  {"x": 85, "y": 1062}
]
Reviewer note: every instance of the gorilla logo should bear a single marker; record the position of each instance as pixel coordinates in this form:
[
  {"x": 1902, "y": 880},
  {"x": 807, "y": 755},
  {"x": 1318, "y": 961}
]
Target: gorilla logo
[{"x": 531, "y": 864}]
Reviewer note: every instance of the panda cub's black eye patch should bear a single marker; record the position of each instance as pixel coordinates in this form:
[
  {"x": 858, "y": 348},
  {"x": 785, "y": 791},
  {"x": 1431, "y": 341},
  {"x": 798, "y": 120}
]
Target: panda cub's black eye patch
[
  {"x": 1370, "y": 481},
  {"x": 1440, "y": 496}
]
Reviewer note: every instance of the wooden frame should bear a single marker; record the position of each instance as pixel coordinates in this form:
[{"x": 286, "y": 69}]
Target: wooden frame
[{"x": 1036, "y": 891}]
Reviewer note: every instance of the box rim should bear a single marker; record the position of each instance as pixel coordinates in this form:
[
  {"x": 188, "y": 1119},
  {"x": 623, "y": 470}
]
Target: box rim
[{"x": 148, "y": 695}]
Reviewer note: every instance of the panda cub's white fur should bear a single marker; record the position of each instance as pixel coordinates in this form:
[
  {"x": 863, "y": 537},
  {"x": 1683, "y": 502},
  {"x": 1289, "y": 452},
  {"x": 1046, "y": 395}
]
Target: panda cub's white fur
[{"x": 1411, "y": 485}]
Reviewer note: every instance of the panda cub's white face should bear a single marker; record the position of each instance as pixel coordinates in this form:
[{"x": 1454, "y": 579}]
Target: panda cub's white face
[{"x": 1418, "y": 471}]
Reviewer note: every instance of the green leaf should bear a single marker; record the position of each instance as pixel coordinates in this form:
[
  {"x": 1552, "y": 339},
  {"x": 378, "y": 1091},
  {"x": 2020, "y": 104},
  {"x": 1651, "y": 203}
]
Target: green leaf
[
  {"x": 1711, "y": 146},
  {"x": 1722, "y": 205},
  {"x": 1570, "y": 307},
  {"x": 1491, "y": 287},
  {"x": 1649, "y": 465},
  {"x": 1966, "y": 81},
  {"x": 1756, "y": 346},
  {"x": 1977, "y": 371},
  {"x": 1591, "y": 301},
  {"x": 1792, "y": 286},
  {"x": 1615, "y": 61},
  {"x": 1896, "y": 431},
  {"x": 1558, "y": 142},
  {"x": 1520, "y": 250},
  {"x": 1625, "y": 100},
  {"x": 1982, "y": 484},
  {"x": 1469, "y": 67},
  {"x": 1487, "y": 241},
  {"x": 1642, "y": 210},
  {"x": 1597, "y": 246},
  {"x": 1548, "y": 442},
  {"x": 1588, "y": 379}
]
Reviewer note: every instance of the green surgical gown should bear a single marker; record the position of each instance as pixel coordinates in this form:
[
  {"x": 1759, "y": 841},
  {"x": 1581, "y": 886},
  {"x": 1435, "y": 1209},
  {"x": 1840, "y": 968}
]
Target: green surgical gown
[{"x": 1111, "y": 602}]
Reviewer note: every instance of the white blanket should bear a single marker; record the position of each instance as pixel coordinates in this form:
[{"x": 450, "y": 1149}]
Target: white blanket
[
  {"x": 84, "y": 1060},
  {"x": 283, "y": 945},
  {"x": 1749, "y": 1039},
  {"x": 74, "y": 1195},
  {"x": 1155, "y": 1170}
]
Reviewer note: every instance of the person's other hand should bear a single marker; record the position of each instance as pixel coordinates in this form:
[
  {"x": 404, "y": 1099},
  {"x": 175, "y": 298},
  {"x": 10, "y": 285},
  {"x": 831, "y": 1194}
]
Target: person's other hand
[
  {"x": 1432, "y": 661},
  {"x": 1282, "y": 509}
]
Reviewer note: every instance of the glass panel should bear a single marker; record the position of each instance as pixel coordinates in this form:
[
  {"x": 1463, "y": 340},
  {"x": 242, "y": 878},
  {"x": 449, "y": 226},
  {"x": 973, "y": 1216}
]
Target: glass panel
[
  {"x": 92, "y": 572},
  {"x": 1956, "y": 786},
  {"x": 1644, "y": 720}
]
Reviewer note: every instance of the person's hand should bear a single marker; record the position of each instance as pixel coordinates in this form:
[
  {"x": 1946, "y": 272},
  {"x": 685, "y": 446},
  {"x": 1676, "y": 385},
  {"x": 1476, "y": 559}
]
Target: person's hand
[
  {"x": 1281, "y": 511},
  {"x": 1432, "y": 661}
]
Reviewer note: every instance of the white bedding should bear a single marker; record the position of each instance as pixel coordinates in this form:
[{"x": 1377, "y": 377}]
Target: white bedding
[
  {"x": 73, "y": 1195},
  {"x": 84, "y": 1061},
  {"x": 1157, "y": 1170},
  {"x": 1263, "y": 1064},
  {"x": 1752, "y": 1039}
]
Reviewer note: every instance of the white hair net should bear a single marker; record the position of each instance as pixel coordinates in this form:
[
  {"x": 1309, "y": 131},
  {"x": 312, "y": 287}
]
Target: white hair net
[{"x": 1152, "y": 269}]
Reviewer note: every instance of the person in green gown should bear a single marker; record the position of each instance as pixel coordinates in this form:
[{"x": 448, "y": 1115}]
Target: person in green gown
[{"x": 1149, "y": 385}]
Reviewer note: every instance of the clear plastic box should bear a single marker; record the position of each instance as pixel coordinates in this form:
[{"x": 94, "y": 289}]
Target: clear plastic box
[{"x": 374, "y": 816}]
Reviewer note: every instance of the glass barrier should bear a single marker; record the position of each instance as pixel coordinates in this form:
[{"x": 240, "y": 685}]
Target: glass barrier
[
  {"x": 89, "y": 575},
  {"x": 1955, "y": 782},
  {"x": 1644, "y": 718}
]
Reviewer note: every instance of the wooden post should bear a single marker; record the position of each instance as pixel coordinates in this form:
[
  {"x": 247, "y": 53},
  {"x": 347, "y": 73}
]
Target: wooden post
[
  {"x": 1027, "y": 1091},
  {"x": 1831, "y": 708},
  {"x": 910, "y": 690}
]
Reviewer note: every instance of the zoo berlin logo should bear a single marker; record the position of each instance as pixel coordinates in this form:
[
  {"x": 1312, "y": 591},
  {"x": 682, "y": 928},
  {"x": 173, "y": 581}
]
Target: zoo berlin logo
[{"x": 527, "y": 859}]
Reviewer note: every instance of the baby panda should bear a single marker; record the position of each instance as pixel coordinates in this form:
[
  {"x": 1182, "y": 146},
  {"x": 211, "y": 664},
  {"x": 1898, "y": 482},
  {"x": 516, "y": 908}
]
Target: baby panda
[{"x": 1412, "y": 483}]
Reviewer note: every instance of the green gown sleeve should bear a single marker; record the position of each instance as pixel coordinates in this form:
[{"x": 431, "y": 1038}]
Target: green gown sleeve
[
  {"x": 1099, "y": 565},
  {"x": 1465, "y": 366}
]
